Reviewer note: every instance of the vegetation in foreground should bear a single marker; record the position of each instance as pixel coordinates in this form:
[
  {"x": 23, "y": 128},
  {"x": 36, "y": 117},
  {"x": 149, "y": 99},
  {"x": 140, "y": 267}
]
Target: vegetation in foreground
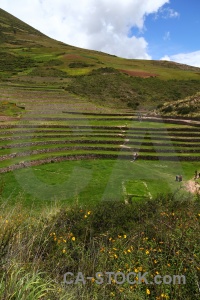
[{"x": 158, "y": 236}]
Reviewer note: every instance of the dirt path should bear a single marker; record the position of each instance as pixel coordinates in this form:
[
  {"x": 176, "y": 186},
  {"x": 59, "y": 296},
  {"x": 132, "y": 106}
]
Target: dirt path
[
  {"x": 7, "y": 118},
  {"x": 192, "y": 186}
]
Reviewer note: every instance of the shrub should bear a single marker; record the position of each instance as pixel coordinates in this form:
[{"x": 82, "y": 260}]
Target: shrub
[
  {"x": 79, "y": 64},
  {"x": 167, "y": 109},
  {"x": 158, "y": 236},
  {"x": 184, "y": 110}
]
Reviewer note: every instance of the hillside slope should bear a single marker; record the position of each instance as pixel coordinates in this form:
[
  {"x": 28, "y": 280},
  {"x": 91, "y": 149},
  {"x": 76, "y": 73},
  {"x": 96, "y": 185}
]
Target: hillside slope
[
  {"x": 30, "y": 59},
  {"x": 188, "y": 107}
]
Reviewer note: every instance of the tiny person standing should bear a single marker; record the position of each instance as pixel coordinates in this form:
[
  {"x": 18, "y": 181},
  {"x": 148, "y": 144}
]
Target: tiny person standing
[{"x": 134, "y": 156}]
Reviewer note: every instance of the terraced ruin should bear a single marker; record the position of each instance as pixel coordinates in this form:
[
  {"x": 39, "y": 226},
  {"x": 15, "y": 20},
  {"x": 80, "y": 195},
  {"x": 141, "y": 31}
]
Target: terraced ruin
[
  {"x": 62, "y": 107},
  {"x": 48, "y": 133}
]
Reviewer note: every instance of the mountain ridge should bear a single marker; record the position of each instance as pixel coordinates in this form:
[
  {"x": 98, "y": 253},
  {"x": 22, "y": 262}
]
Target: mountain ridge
[{"x": 28, "y": 57}]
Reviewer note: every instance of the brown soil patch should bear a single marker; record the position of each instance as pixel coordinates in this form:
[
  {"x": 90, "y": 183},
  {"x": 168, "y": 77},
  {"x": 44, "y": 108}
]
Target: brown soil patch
[
  {"x": 138, "y": 73},
  {"x": 192, "y": 186}
]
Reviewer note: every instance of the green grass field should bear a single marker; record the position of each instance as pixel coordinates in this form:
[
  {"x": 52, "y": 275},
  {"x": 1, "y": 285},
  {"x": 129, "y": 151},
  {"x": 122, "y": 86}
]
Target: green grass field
[
  {"x": 67, "y": 181},
  {"x": 87, "y": 157}
]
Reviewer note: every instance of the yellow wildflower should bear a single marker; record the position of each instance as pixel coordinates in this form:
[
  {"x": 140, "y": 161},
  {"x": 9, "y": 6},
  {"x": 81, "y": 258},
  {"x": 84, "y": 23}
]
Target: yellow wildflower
[
  {"x": 164, "y": 296},
  {"x": 112, "y": 294},
  {"x": 113, "y": 280},
  {"x": 148, "y": 292},
  {"x": 136, "y": 270}
]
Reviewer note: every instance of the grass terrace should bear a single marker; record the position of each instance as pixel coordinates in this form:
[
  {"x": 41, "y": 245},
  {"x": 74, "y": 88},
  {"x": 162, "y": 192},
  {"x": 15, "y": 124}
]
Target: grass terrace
[{"x": 46, "y": 153}]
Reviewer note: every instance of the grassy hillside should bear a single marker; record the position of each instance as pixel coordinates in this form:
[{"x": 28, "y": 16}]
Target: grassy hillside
[{"x": 28, "y": 57}]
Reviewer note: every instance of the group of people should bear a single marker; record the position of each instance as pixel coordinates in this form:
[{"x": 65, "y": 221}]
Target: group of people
[
  {"x": 179, "y": 178},
  {"x": 196, "y": 176}
]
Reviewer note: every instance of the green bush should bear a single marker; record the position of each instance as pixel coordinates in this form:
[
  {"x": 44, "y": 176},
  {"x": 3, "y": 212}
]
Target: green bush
[
  {"x": 167, "y": 109},
  {"x": 184, "y": 110},
  {"x": 10, "y": 62},
  {"x": 79, "y": 64}
]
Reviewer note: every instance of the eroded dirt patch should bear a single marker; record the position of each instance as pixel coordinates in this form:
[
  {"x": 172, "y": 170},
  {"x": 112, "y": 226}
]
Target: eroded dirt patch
[{"x": 192, "y": 186}]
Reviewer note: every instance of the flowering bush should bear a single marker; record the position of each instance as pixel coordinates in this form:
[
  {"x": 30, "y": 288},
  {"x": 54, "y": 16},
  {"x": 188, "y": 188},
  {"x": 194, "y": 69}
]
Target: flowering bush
[{"x": 158, "y": 236}]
